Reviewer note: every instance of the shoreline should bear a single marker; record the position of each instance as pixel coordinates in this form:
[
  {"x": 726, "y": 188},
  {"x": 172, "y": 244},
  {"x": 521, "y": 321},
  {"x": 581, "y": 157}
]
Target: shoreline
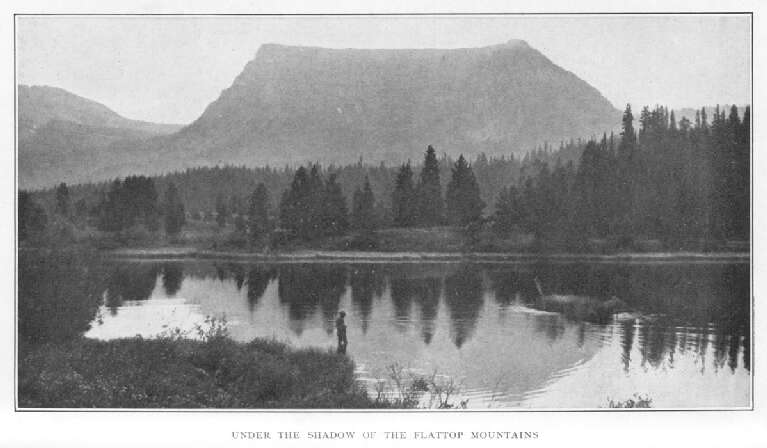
[{"x": 181, "y": 253}]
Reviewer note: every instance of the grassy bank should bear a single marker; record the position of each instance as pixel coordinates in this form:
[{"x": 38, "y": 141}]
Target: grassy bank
[
  {"x": 183, "y": 373},
  {"x": 203, "y": 238}
]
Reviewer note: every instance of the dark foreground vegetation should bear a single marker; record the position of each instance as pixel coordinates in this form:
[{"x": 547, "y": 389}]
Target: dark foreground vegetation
[{"x": 180, "y": 373}]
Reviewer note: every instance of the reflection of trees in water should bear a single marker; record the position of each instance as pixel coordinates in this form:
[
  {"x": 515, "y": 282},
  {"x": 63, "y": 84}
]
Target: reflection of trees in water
[
  {"x": 581, "y": 334},
  {"x": 506, "y": 285},
  {"x": 172, "y": 277},
  {"x": 659, "y": 341},
  {"x": 426, "y": 295},
  {"x": 221, "y": 273},
  {"x": 130, "y": 281},
  {"x": 235, "y": 271},
  {"x": 424, "y": 292},
  {"x": 238, "y": 274},
  {"x": 303, "y": 288},
  {"x": 627, "y": 342},
  {"x": 258, "y": 280},
  {"x": 402, "y": 289},
  {"x": 366, "y": 282},
  {"x": 747, "y": 351},
  {"x": 711, "y": 299},
  {"x": 59, "y": 294},
  {"x": 463, "y": 298}
]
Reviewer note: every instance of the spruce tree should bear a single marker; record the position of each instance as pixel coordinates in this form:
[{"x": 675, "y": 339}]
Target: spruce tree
[
  {"x": 334, "y": 215},
  {"x": 404, "y": 198},
  {"x": 111, "y": 210},
  {"x": 32, "y": 218},
  {"x": 623, "y": 202},
  {"x": 315, "y": 207},
  {"x": 258, "y": 212},
  {"x": 173, "y": 208},
  {"x": 507, "y": 210},
  {"x": 222, "y": 212},
  {"x": 139, "y": 198},
  {"x": 464, "y": 204},
  {"x": 62, "y": 199},
  {"x": 429, "y": 192},
  {"x": 299, "y": 205},
  {"x": 363, "y": 208}
]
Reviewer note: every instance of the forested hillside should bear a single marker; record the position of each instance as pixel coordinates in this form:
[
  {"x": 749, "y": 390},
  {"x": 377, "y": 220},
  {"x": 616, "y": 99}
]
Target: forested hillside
[{"x": 683, "y": 183}]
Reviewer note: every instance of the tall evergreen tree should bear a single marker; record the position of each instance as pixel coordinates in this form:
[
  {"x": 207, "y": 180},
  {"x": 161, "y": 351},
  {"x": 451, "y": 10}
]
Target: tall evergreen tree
[
  {"x": 235, "y": 205},
  {"x": 742, "y": 175},
  {"x": 429, "y": 192},
  {"x": 62, "y": 199},
  {"x": 626, "y": 173},
  {"x": 173, "y": 211},
  {"x": 294, "y": 203},
  {"x": 464, "y": 204},
  {"x": 363, "y": 208},
  {"x": 315, "y": 207},
  {"x": 301, "y": 208},
  {"x": 404, "y": 198},
  {"x": 508, "y": 210},
  {"x": 222, "y": 212},
  {"x": 334, "y": 214},
  {"x": 31, "y": 217},
  {"x": 111, "y": 210},
  {"x": 143, "y": 200},
  {"x": 258, "y": 212}
]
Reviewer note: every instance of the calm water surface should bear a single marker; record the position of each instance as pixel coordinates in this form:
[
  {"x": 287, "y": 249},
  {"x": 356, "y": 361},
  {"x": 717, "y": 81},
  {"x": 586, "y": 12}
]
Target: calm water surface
[{"x": 676, "y": 332}]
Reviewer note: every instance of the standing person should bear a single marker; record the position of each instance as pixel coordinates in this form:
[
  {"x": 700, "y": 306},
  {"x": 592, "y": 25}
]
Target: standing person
[{"x": 341, "y": 332}]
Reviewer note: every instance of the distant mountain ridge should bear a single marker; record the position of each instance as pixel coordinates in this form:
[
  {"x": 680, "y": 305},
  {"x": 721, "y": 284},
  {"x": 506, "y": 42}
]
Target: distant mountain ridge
[
  {"x": 65, "y": 137},
  {"x": 293, "y": 105},
  {"x": 42, "y": 104}
]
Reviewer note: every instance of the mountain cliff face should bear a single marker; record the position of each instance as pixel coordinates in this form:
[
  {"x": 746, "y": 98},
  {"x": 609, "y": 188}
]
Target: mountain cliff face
[
  {"x": 312, "y": 104},
  {"x": 303, "y": 104}
]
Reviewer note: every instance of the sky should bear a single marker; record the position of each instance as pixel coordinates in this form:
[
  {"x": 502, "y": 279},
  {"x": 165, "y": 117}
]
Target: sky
[{"x": 169, "y": 68}]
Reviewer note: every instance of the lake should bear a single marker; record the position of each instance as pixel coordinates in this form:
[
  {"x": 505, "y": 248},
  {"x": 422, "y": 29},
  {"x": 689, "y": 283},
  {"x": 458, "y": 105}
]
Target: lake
[{"x": 676, "y": 332}]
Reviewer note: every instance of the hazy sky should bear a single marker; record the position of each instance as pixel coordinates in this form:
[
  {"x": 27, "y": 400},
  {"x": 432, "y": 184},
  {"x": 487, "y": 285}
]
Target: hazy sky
[{"x": 167, "y": 69}]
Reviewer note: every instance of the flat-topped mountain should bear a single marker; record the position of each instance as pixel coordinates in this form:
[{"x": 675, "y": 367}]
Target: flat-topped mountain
[{"x": 307, "y": 103}]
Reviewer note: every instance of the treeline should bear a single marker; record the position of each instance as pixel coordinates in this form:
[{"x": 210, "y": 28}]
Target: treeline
[
  {"x": 684, "y": 183},
  {"x": 421, "y": 203},
  {"x": 312, "y": 207},
  {"x": 681, "y": 182},
  {"x": 204, "y": 189},
  {"x": 127, "y": 204}
]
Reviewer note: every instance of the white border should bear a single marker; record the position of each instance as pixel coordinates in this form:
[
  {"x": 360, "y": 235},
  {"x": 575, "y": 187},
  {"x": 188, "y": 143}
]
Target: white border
[{"x": 168, "y": 429}]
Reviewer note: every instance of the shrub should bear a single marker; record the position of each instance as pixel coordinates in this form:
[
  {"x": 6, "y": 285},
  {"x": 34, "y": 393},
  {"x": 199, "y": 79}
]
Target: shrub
[{"x": 637, "y": 401}]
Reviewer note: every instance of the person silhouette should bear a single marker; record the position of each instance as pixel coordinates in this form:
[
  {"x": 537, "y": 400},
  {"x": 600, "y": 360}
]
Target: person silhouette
[{"x": 341, "y": 332}]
